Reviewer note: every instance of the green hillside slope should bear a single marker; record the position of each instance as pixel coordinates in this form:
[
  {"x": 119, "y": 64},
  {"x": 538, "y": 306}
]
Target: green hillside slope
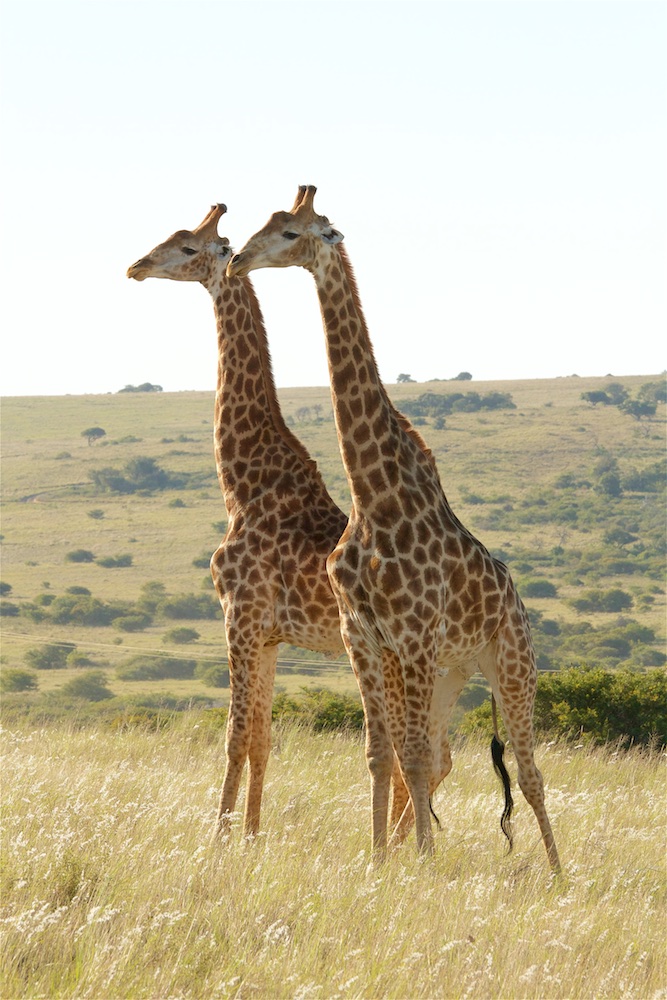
[{"x": 568, "y": 491}]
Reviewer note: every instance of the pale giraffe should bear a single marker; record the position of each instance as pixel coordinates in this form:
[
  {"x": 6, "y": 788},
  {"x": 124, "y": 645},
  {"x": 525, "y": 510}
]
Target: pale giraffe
[
  {"x": 269, "y": 571},
  {"x": 407, "y": 575}
]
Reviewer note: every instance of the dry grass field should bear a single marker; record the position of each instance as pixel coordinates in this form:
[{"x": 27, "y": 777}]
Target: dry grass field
[{"x": 111, "y": 888}]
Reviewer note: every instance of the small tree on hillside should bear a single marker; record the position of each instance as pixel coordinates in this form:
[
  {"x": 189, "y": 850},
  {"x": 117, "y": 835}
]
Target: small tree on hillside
[
  {"x": 93, "y": 434},
  {"x": 404, "y": 378}
]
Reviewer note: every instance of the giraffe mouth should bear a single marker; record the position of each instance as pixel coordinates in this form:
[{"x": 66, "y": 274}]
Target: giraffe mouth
[
  {"x": 238, "y": 266},
  {"x": 138, "y": 271}
]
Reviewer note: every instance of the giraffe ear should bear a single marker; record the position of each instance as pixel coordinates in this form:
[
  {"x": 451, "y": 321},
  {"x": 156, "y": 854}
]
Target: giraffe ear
[{"x": 332, "y": 236}]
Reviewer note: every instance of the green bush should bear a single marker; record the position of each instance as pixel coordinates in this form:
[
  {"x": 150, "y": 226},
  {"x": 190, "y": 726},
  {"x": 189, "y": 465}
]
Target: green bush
[
  {"x": 77, "y": 659},
  {"x": 598, "y": 705},
  {"x": 319, "y": 709},
  {"x": 202, "y": 562},
  {"x": 85, "y": 610},
  {"x": 213, "y": 676},
  {"x": 538, "y": 588},
  {"x": 181, "y": 636},
  {"x": 132, "y": 623},
  {"x": 153, "y": 668},
  {"x": 80, "y": 556},
  {"x": 113, "y": 562},
  {"x": 50, "y": 656},
  {"x": 190, "y": 606},
  {"x": 607, "y": 601},
  {"x": 90, "y": 686},
  {"x": 152, "y": 595},
  {"x": 17, "y": 680},
  {"x": 139, "y": 474},
  {"x": 5, "y": 588}
]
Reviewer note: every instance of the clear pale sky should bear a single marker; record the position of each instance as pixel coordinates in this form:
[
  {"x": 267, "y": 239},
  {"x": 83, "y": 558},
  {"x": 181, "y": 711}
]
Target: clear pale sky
[{"x": 498, "y": 170}]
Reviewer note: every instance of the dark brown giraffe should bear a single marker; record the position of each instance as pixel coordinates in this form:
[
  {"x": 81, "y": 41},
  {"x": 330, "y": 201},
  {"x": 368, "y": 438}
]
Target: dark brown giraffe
[
  {"x": 407, "y": 575},
  {"x": 269, "y": 571}
]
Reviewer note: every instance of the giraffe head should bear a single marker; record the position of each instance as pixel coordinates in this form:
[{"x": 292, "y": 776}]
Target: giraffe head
[
  {"x": 187, "y": 256},
  {"x": 289, "y": 239}
]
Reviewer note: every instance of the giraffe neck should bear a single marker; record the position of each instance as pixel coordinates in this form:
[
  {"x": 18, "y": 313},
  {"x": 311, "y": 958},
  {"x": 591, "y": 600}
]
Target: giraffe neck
[
  {"x": 377, "y": 442},
  {"x": 255, "y": 450}
]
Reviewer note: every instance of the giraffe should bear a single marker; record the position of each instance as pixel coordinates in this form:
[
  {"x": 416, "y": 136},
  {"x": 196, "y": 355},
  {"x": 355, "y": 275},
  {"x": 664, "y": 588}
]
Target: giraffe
[
  {"x": 407, "y": 575},
  {"x": 269, "y": 571}
]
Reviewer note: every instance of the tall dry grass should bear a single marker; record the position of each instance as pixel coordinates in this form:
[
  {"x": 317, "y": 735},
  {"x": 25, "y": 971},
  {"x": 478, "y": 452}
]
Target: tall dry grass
[{"x": 111, "y": 889}]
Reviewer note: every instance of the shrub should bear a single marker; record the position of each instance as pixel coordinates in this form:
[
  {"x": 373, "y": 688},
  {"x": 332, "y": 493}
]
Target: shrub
[
  {"x": 152, "y": 668},
  {"x": 190, "y": 606},
  {"x": 132, "y": 623},
  {"x": 92, "y": 686},
  {"x": 539, "y": 588},
  {"x": 76, "y": 659},
  {"x": 9, "y": 610},
  {"x": 138, "y": 474},
  {"x": 319, "y": 709},
  {"x": 96, "y": 514},
  {"x": 50, "y": 656},
  {"x": 5, "y": 588},
  {"x": 597, "y": 704},
  {"x": 113, "y": 562},
  {"x": 151, "y": 596},
  {"x": 607, "y": 601},
  {"x": 213, "y": 676},
  {"x": 85, "y": 610},
  {"x": 181, "y": 636},
  {"x": 17, "y": 680},
  {"x": 610, "y": 484},
  {"x": 202, "y": 562},
  {"x": 80, "y": 556}
]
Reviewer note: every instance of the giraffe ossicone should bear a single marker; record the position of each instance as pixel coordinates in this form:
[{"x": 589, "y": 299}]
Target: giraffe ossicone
[{"x": 407, "y": 575}]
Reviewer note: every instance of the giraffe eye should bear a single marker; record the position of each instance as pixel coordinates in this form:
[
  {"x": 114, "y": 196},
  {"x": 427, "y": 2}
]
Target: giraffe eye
[
  {"x": 188, "y": 250},
  {"x": 291, "y": 236}
]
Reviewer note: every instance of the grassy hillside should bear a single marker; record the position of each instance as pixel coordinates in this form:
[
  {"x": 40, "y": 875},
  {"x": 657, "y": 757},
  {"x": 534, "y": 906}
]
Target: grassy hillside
[
  {"x": 110, "y": 887},
  {"x": 535, "y": 482}
]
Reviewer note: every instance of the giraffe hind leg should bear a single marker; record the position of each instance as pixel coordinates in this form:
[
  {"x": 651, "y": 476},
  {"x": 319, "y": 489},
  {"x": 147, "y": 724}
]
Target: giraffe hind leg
[{"x": 509, "y": 666}]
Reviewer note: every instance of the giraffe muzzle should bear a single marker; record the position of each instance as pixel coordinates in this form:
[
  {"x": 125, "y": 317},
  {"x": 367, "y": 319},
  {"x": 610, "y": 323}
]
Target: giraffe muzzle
[
  {"x": 139, "y": 270},
  {"x": 237, "y": 266}
]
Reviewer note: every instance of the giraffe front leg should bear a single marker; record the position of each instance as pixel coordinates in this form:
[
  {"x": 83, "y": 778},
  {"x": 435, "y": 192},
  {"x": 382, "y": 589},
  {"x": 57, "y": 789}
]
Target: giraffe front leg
[
  {"x": 260, "y": 742},
  {"x": 417, "y": 754},
  {"x": 367, "y": 666},
  {"x": 239, "y": 731},
  {"x": 395, "y": 701}
]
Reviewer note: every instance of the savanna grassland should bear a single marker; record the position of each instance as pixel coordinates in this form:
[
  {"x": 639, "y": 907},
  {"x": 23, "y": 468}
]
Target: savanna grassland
[
  {"x": 112, "y": 889},
  {"x": 569, "y": 494}
]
